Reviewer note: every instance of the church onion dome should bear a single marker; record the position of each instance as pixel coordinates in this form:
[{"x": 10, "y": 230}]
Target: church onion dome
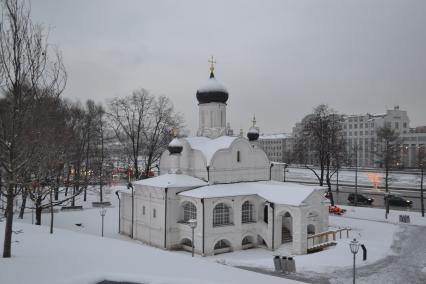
[
  {"x": 212, "y": 92},
  {"x": 175, "y": 147},
  {"x": 253, "y": 134}
]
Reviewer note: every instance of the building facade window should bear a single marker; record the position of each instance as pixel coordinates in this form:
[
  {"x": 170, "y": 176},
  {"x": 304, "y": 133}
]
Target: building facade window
[
  {"x": 143, "y": 210},
  {"x": 247, "y": 212},
  {"x": 154, "y": 213},
  {"x": 221, "y": 244},
  {"x": 189, "y": 211},
  {"x": 221, "y": 215},
  {"x": 238, "y": 156}
]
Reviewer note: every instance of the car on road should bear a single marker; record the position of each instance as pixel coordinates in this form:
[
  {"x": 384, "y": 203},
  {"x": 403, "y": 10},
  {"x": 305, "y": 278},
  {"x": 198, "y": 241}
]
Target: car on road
[
  {"x": 361, "y": 199},
  {"x": 399, "y": 201}
]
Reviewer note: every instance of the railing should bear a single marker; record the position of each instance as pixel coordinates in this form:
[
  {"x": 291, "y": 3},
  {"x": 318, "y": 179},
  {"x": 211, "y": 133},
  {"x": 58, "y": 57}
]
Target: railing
[{"x": 328, "y": 238}]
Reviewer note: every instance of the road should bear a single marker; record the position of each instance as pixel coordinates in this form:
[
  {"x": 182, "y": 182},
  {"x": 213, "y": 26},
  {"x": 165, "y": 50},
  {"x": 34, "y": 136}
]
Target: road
[{"x": 341, "y": 197}]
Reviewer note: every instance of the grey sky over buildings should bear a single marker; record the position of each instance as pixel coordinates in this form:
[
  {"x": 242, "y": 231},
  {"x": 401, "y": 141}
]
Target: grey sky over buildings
[{"x": 278, "y": 59}]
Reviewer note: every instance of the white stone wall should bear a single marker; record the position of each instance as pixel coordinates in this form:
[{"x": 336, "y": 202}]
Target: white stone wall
[
  {"x": 150, "y": 229},
  {"x": 252, "y": 166},
  {"x": 212, "y": 120},
  {"x": 224, "y": 167}
]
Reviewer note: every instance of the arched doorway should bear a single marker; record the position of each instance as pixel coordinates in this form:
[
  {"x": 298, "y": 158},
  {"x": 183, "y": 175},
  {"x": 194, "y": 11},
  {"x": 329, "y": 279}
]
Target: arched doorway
[{"x": 286, "y": 228}]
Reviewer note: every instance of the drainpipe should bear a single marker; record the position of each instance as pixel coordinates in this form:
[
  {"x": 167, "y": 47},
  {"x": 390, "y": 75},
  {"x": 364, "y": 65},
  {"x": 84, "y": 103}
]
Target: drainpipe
[
  {"x": 270, "y": 171},
  {"x": 165, "y": 218},
  {"x": 208, "y": 173},
  {"x": 202, "y": 202},
  {"x": 273, "y": 225}
]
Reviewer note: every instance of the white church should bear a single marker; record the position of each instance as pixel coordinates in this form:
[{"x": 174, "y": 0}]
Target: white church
[{"x": 224, "y": 183}]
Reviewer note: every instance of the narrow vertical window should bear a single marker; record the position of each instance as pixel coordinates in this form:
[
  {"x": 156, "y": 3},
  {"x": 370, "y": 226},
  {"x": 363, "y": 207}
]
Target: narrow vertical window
[
  {"x": 143, "y": 210},
  {"x": 154, "y": 213},
  {"x": 238, "y": 157}
]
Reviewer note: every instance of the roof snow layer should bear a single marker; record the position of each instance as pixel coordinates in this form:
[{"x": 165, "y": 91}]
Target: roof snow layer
[
  {"x": 171, "y": 180},
  {"x": 273, "y": 191},
  {"x": 210, "y": 146}
]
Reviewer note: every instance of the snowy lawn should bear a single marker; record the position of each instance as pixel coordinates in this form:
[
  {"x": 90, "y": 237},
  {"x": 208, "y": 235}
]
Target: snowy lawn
[
  {"x": 69, "y": 257},
  {"x": 376, "y": 236},
  {"x": 123, "y": 260}
]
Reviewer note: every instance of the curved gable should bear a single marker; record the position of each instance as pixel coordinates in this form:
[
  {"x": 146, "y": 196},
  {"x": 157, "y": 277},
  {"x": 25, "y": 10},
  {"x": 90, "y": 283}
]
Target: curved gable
[{"x": 239, "y": 162}]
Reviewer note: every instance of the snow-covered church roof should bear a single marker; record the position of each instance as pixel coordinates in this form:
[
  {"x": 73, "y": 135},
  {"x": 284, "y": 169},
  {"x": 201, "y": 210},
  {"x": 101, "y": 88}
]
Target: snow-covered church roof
[
  {"x": 171, "y": 180},
  {"x": 273, "y": 191},
  {"x": 210, "y": 146}
]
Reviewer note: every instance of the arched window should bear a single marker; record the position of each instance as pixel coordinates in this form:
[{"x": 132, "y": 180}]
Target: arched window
[
  {"x": 246, "y": 241},
  {"x": 221, "y": 244},
  {"x": 247, "y": 212},
  {"x": 186, "y": 242},
  {"x": 189, "y": 211},
  {"x": 221, "y": 215},
  {"x": 311, "y": 229},
  {"x": 265, "y": 213}
]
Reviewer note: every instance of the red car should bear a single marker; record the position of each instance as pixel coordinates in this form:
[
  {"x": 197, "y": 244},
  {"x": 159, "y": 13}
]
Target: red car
[{"x": 336, "y": 210}]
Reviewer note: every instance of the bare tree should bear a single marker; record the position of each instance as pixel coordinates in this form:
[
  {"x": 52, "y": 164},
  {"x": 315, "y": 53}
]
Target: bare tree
[
  {"x": 158, "y": 131},
  {"x": 102, "y": 166},
  {"x": 26, "y": 67},
  {"x": 128, "y": 117},
  {"x": 387, "y": 150},
  {"x": 321, "y": 144}
]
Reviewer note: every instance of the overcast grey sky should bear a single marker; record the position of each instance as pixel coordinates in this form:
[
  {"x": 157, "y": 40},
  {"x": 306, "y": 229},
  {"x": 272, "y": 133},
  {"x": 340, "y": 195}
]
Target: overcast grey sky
[{"x": 278, "y": 59}]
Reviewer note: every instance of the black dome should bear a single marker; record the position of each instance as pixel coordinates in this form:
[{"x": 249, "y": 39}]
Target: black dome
[
  {"x": 175, "y": 147},
  {"x": 212, "y": 92},
  {"x": 253, "y": 134}
]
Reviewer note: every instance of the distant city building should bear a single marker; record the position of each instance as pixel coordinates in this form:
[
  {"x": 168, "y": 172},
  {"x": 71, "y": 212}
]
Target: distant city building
[
  {"x": 360, "y": 131},
  {"x": 278, "y": 147}
]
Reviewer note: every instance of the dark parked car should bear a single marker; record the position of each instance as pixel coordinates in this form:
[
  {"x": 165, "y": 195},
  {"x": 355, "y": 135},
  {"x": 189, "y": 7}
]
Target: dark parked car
[
  {"x": 399, "y": 201},
  {"x": 361, "y": 199}
]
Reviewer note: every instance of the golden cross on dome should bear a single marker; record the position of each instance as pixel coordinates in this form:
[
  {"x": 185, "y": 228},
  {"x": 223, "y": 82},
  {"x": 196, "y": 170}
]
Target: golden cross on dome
[
  {"x": 212, "y": 62},
  {"x": 174, "y": 132}
]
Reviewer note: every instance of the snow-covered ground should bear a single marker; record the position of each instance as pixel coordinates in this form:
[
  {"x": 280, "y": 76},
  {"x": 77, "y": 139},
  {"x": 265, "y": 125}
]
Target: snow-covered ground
[
  {"x": 87, "y": 259},
  {"x": 376, "y": 236},
  {"x": 84, "y": 257},
  {"x": 70, "y": 258}
]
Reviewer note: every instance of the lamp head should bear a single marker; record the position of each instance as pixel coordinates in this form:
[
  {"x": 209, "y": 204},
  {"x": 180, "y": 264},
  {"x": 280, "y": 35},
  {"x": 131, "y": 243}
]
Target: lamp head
[
  {"x": 354, "y": 246},
  {"x": 192, "y": 223}
]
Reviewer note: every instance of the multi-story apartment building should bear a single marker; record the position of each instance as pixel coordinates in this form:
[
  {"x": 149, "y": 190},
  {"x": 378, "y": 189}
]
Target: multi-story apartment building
[
  {"x": 361, "y": 133},
  {"x": 278, "y": 147}
]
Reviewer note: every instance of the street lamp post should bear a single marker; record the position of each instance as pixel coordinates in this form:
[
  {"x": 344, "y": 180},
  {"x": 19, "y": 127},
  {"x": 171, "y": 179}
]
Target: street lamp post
[
  {"x": 102, "y": 212},
  {"x": 354, "y": 246},
  {"x": 422, "y": 204},
  {"x": 387, "y": 195},
  {"x": 119, "y": 211},
  {"x": 356, "y": 175},
  {"x": 193, "y": 224},
  {"x": 285, "y": 168},
  {"x": 130, "y": 185}
]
